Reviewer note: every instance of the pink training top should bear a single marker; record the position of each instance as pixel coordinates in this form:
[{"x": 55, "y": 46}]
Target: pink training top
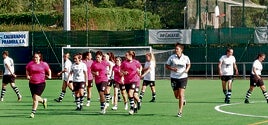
[
  {"x": 88, "y": 64},
  {"x": 131, "y": 67},
  {"x": 37, "y": 72},
  {"x": 101, "y": 68},
  {"x": 117, "y": 76},
  {"x": 137, "y": 75}
]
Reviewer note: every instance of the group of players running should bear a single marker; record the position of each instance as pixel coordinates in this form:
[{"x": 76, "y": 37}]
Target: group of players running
[
  {"x": 124, "y": 75},
  {"x": 107, "y": 71}
]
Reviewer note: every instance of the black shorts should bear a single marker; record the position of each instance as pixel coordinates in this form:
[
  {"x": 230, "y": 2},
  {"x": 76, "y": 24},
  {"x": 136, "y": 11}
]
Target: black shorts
[
  {"x": 37, "y": 89},
  {"x": 110, "y": 82},
  {"x": 78, "y": 85},
  {"x": 254, "y": 81},
  {"x": 146, "y": 83},
  {"x": 122, "y": 87},
  {"x": 116, "y": 84},
  {"x": 8, "y": 79},
  {"x": 137, "y": 89},
  {"x": 179, "y": 83},
  {"x": 130, "y": 86},
  {"x": 90, "y": 83},
  {"x": 227, "y": 78},
  {"x": 101, "y": 86}
]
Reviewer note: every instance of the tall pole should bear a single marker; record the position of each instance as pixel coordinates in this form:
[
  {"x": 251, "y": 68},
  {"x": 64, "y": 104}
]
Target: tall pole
[
  {"x": 87, "y": 20},
  {"x": 32, "y": 34},
  {"x": 145, "y": 23},
  {"x": 243, "y": 14},
  {"x": 199, "y": 13},
  {"x": 184, "y": 17},
  {"x": 206, "y": 39},
  {"x": 67, "y": 15}
]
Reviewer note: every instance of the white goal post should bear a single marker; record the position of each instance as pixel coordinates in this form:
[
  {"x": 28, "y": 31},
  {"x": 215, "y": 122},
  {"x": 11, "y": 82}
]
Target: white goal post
[{"x": 140, "y": 51}]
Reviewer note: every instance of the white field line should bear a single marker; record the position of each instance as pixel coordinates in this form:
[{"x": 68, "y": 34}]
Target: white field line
[{"x": 218, "y": 108}]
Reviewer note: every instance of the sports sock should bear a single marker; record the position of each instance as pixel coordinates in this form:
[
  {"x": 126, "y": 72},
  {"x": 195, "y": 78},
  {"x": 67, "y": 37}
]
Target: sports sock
[
  {"x": 78, "y": 102},
  {"x": 107, "y": 97},
  {"x": 102, "y": 105},
  {"x": 228, "y": 95},
  {"x": 81, "y": 100},
  {"x": 131, "y": 102},
  {"x": 33, "y": 111},
  {"x": 3, "y": 93},
  {"x": 248, "y": 94},
  {"x": 265, "y": 94},
  {"x": 153, "y": 95},
  {"x": 62, "y": 94},
  {"x": 141, "y": 95},
  {"x": 17, "y": 91}
]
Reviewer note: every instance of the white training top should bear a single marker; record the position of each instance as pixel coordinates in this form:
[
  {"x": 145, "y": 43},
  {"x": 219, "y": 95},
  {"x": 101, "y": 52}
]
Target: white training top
[
  {"x": 111, "y": 74},
  {"x": 258, "y": 66},
  {"x": 180, "y": 64},
  {"x": 78, "y": 72},
  {"x": 8, "y": 61},
  {"x": 227, "y": 67},
  {"x": 150, "y": 76},
  {"x": 67, "y": 66}
]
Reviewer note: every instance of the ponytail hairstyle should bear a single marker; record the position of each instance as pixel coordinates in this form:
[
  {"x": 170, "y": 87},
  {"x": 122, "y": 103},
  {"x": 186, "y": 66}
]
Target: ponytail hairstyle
[{"x": 260, "y": 55}]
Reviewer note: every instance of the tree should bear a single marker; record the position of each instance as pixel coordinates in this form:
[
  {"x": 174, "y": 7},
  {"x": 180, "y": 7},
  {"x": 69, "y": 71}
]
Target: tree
[{"x": 15, "y": 6}]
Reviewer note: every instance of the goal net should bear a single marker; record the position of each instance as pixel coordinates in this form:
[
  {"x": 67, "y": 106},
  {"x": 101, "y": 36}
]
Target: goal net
[{"x": 140, "y": 51}]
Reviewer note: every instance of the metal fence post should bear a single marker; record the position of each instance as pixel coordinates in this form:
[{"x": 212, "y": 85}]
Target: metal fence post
[{"x": 244, "y": 70}]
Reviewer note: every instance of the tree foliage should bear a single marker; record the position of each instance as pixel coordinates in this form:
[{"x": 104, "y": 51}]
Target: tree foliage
[{"x": 171, "y": 12}]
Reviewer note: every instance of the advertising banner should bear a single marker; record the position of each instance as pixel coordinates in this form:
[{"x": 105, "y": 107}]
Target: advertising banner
[
  {"x": 170, "y": 36},
  {"x": 14, "y": 39},
  {"x": 260, "y": 35}
]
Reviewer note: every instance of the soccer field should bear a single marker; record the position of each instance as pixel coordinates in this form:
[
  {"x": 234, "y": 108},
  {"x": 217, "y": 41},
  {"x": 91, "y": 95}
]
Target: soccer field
[{"x": 204, "y": 107}]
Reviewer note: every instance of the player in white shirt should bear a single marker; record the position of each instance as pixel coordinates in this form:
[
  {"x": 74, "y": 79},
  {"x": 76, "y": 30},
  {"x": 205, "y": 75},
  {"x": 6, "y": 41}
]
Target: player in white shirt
[
  {"x": 226, "y": 66},
  {"x": 79, "y": 72},
  {"x": 9, "y": 76},
  {"x": 255, "y": 78},
  {"x": 65, "y": 72},
  {"x": 179, "y": 66},
  {"x": 148, "y": 76}
]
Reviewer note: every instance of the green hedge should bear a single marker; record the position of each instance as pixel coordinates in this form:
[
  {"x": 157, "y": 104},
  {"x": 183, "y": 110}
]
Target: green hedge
[
  {"x": 45, "y": 18},
  {"x": 98, "y": 19}
]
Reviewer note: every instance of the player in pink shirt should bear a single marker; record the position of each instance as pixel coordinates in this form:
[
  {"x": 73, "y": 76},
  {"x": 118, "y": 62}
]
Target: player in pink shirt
[
  {"x": 118, "y": 84},
  {"x": 99, "y": 72},
  {"x": 36, "y": 72},
  {"x": 106, "y": 58},
  {"x": 87, "y": 59},
  {"x": 137, "y": 89},
  {"x": 131, "y": 71}
]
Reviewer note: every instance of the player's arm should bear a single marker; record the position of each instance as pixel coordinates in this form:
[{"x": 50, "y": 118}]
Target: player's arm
[
  {"x": 63, "y": 71},
  {"x": 110, "y": 69},
  {"x": 236, "y": 69},
  {"x": 171, "y": 68},
  {"x": 219, "y": 68},
  {"x": 188, "y": 66},
  {"x": 255, "y": 73},
  {"x": 94, "y": 73},
  {"x": 86, "y": 77},
  {"x": 49, "y": 74},
  {"x": 28, "y": 75},
  {"x": 146, "y": 70},
  {"x": 69, "y": 75},
  {"x": 8, "y": 68}
]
